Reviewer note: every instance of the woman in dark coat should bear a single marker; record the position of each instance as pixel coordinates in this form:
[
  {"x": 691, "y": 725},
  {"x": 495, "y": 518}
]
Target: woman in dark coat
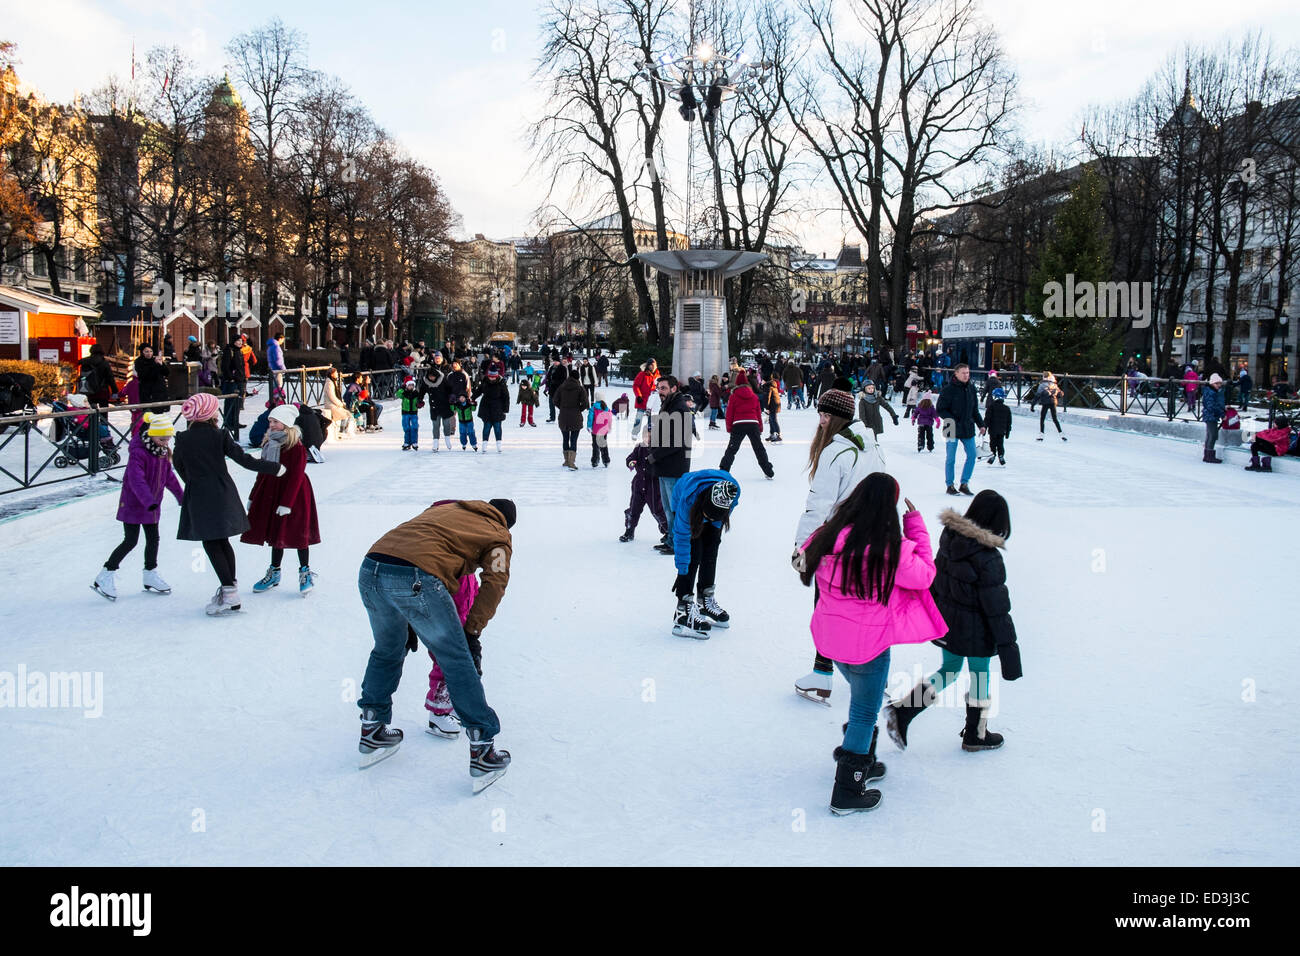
[
  {"x": 212, "y": 510},
  {"x": 493, "y": 404},
  {"x": 971, "y": 593},
  {"x": 152, "y": 375},
  {"x": 571, "y": 400}
]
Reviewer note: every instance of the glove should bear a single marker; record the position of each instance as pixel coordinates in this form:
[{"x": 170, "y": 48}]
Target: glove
[
  {"x": 282, "y": 511},
  {"x": 282, "y": 472},
  {"x": 412, "y": 642},
  {"x": 799, "y": 560},
  {"x": 475, "y": 651}
]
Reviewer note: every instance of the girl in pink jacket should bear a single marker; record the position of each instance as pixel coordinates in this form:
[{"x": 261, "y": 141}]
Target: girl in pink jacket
[{"x": 874, "y": 581}]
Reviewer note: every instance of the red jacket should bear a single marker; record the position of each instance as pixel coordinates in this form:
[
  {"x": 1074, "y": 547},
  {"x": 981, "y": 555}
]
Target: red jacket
[
  {"x": 743, "y": 407},
  {"x": 299, "y": 528},
  {"x": 643, "y": 386}
]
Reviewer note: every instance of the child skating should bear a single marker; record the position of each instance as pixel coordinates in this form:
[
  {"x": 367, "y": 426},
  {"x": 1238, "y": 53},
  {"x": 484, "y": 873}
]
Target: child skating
[
  {"x": 282, "y": 508},
  {"x": 148, "y": 474},
  {"x": 645, "y": 492},
  {"x": 998, "y": 418},
  {"x": 701, "y": 506},
  {"x": 412, "y": 401},
  {"x": 463, "y": 406},
  {"x": 443, "y": 721},
  {"x": 926, "y": 418},
  {"x": 873, "y": 580},
  {"x": 971, "y": 593},
  {"x": 599, "y": 422},
  {"x": 527, "y": 400},
  {"x": 211, "y": 509}
]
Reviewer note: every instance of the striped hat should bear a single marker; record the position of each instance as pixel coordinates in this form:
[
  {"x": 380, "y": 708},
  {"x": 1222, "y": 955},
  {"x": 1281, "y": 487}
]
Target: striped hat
[
  {"x": 837, "y": 402},
  {"x": 200, "y": 407},
  {"x": 159, "y": 426}
]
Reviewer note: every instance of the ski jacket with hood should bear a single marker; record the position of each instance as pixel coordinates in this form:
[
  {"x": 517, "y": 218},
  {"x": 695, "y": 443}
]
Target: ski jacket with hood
[
  {"x": 687, "y": 489},
  {"x": 147, "y": 477},
  {"x": 854, "y": 630},
  {"x": 970, "y": 590}
]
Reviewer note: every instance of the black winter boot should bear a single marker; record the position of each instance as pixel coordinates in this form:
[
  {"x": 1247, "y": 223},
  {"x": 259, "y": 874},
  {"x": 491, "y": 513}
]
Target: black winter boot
[
  {"x": 898, "y": 714},
  {"x": 976, "y": 736},
  {"x": 851, "y": 794},
  {"x": 877, "y": 769},
  {"x": 627, "y": 535}
]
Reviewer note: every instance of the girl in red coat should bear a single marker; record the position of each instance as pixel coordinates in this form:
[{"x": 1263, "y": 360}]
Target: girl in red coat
[{"x": 282, "y": 508}]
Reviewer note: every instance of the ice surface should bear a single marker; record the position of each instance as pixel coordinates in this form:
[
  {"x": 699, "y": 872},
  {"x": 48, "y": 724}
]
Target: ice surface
[{"x": 1150, "y": 592}]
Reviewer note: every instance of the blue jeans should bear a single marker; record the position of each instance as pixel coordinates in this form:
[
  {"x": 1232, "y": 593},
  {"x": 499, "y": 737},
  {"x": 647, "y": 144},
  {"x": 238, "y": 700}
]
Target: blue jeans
[
  {"x": 866, "y": 691},
  {"x": 666, "y": 486},
  {"x": 950, "y": 459},
  {"x": 467, "y": 434},
  {"x": 487, "y": 429},
  {"x": 394, "y": 597},
  {"x": 411, "y": 429}
]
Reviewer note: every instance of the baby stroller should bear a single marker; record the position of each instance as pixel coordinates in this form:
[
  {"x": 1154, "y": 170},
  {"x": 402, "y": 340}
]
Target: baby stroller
[
  {"x": 72, "y": 435},
  {"x": 16, "y": 397}
]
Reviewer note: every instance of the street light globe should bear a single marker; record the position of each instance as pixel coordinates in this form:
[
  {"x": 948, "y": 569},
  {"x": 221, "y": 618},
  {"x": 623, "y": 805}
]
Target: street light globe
[{"x": 703, "y": 52}]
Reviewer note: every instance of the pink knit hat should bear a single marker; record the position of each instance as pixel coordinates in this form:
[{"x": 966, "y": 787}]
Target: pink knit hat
[{"x": 200, "y": 407}]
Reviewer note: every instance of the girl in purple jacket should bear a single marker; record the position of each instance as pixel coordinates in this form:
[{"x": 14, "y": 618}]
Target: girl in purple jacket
[
  {"x": 148, "y": 474},
  {"x": 874, "y": 582}
]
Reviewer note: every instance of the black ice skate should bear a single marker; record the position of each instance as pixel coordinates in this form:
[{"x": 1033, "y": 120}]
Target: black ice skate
[
  {"x": 627, "y": 535},
  {"x": 687, "y": 622},
  {"x": 486, "y": 763},
  {"x": 377, "y": 741},
  {"x": 712, "y": 611}
]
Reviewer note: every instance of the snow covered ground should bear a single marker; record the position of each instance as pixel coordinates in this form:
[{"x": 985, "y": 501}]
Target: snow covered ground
[{"x": 1153, "y": 724}]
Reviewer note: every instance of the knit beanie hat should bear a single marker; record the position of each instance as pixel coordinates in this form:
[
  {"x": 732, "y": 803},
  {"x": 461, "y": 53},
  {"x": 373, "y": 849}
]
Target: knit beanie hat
[
  {"x": 286, "y": 415},
  {"x": 200, "y": 407},
  {"x": 507, "y": 509},
  {"x": 999, "y": 394},
  {"x": 722, "y": 494},
  {"x": 837, "y": 402},
  {"x": 159, "y": 426}
]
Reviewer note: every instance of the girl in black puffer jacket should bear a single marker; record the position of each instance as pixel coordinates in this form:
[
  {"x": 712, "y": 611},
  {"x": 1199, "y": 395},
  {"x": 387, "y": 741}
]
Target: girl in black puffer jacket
[{"x": 971, "y": 592}]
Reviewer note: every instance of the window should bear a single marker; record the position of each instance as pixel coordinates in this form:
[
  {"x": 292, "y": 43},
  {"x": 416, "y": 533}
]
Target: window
[
  {"x": 38, "y": 263},
  {"x": 477, "y": 266},
  {"x": 1265, "y": 293},
  {"x": 1196, "y": 300},
  {"x": 1248, "y": 259},
  {"x": 1266, "y": 257}
]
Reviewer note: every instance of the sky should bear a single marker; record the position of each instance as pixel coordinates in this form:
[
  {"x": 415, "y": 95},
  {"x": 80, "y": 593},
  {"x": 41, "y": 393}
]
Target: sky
[{"x": 453, "y": 82}]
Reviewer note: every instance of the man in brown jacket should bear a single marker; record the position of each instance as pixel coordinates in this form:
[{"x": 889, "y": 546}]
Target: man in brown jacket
[{"x": 409, "y": 577}]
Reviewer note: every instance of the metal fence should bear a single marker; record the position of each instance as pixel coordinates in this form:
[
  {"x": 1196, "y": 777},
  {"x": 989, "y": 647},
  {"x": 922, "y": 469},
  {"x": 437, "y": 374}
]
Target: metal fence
[
  {"x": 306, "y": 385},
  {"x": 49, "y": 447}
]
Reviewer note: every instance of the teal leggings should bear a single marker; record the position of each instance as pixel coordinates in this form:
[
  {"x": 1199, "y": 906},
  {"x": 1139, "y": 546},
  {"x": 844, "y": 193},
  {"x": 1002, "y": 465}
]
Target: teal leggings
[{"x": 950, "y": 670}]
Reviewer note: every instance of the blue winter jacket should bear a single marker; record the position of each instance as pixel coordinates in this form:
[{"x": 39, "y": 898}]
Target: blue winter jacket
[
  {"x": 685, "y": 492},
  {"x": 1212, "y": 406},
  {"x": 274, "y": 356}
]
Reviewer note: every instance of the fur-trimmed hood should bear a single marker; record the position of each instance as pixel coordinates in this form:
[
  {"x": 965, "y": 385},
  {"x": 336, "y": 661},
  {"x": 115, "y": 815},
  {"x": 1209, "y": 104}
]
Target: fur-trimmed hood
[{"x": 958, "y": 524}]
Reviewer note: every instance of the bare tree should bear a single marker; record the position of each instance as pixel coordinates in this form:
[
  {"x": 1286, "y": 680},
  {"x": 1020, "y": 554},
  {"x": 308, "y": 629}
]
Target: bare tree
[{"x": 897, "y": 122}]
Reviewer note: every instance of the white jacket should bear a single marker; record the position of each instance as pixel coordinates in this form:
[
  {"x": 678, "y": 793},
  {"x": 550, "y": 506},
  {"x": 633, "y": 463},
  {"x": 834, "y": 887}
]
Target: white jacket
[{"x": 842, "y": 466}]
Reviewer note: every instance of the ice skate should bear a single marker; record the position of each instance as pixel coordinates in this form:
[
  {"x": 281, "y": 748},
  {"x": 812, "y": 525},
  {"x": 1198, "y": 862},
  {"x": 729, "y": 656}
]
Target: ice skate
[
  {"x": 226, "y": 599},
  {"x": 687, "y": 622},
  {"x": 445, "y": 726},
  {"x": 271, "y": 579},
  {"x": 105, "y": 583},
  {"x": 377, "y": 743},
  {"x": 712, "y": 611},
  {"x": 486, "y": 763},
  {"x": 153, "y": 582},
  {"x": 306, "y": 580},
  {"x": 814, "y": 686},
  {"x": 498, "y": 446},
  {"x": 446, "y": 438},
  {"x": 627, "y": 535}
]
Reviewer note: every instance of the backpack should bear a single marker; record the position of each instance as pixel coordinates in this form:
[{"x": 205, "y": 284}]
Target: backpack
[{"x": 1231, "y": 420}]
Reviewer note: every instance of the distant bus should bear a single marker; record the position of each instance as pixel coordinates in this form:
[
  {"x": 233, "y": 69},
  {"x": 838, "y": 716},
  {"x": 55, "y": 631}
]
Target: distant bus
[{"x": 504, "y": 338}]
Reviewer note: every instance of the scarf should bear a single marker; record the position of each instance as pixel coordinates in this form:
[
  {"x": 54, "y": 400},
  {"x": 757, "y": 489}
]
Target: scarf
[
  {"x": 158, "y": 451},
  {"x": 272, "y": 445}
]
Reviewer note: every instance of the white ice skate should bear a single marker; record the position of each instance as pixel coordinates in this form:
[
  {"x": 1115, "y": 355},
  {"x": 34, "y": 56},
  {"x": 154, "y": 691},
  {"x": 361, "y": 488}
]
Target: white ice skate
[
  {"x": 153, "y": 582},
  {"x": 814, "y": 687},
  {"x": 225, "y": 600},
  {"x": 445, "y": 726},
  {"x": 106, "y": 584}
]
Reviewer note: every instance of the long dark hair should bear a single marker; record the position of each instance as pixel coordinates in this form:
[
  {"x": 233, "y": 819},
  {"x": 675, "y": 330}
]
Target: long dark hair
[
  {"x": 871, "y": 513},
  {"x": 989, "y": 510},
  {"x": 697, "y": 515}
]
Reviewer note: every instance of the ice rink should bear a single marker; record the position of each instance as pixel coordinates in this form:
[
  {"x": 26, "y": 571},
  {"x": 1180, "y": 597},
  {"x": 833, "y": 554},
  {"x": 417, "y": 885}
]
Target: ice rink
[{"x": 1152, "y": 595}]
